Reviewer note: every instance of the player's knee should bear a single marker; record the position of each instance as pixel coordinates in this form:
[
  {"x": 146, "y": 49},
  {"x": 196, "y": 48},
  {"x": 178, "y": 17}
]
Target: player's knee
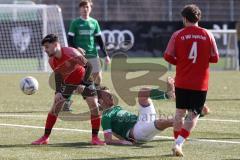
[
  {"x": 144, "y": 93},
  {"x": 143, "y": 97}
]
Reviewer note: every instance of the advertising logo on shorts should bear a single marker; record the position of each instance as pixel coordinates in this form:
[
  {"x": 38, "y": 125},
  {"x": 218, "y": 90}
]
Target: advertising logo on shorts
[
  {"x": 118, "y": 39},
  {"x": 21, "y": 37}
]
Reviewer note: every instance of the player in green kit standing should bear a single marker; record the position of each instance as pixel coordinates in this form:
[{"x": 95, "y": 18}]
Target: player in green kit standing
[{"x": 84, "y": 33}]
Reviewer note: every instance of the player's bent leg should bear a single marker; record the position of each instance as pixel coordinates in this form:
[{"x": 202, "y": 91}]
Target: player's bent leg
[
  {"x": 59, "y": 100},
  {"x": 171, "y": 88},
  {"x": 145, "y": 94},
  {"x": 179, "y": 119},
  {"x": 143, "y": 97},
  {"x": 190, "y": 121},
  {"x": 189, "y": 124},
  {"x": 145, "y": 130},
  {"x": 95, "y": 119},
  {"x": 162, "y": 124},
  {"x": 51, "y": 119},
  {"x": 178, "y": 122},
  {"x": 93, "y": 105}
]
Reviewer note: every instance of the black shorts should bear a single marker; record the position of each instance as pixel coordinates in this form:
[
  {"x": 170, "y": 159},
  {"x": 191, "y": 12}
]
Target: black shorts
[
  {"x": 67, "y": 90},
  {"x": 192, "y": 100}
]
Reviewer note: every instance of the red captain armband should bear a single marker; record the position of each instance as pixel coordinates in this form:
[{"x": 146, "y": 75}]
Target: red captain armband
[{"x": 170, "y": 59}]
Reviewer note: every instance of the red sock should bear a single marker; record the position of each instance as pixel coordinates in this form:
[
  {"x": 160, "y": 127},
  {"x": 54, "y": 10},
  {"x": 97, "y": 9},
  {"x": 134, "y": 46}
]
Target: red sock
[
  {"x": 176, "y": 134},
  {"x": 95, "y": 122},
  {"x": 184, "y": 133},
  {"x": 51, "y": 119}
]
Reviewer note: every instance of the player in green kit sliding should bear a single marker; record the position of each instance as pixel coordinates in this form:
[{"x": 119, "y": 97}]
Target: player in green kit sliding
[
  {"x": 128, "y": 127},
  {"x": 84, "y": 33}
]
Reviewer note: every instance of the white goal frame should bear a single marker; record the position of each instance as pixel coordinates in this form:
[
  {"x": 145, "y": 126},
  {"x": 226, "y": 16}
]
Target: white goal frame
[
  {"x": 231, "y": 52},
  {"x": 49, "y": 20}
]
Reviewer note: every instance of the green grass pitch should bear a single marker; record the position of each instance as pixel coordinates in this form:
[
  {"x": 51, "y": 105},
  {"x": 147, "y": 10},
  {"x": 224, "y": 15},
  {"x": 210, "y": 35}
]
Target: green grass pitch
[{"x": 217, "y": 136}]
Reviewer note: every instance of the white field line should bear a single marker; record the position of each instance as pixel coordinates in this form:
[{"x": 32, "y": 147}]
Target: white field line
[
  {"x": 220, "y": 120},
  {"x": 200, "y": 140},
  {"x": 39, "y": 127},
  {"x": 88, "y": 131},
  {"x": 44, "y": 116}
]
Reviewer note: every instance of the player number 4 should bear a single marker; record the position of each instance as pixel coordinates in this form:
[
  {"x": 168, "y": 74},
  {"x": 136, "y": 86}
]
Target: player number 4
[{"x": 193, "y": 52}]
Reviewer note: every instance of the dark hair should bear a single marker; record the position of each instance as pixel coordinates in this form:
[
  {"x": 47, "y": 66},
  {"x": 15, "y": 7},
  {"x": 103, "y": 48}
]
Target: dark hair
[
  {"x": 100, "y": 89},
  {"x": 50, "y": 38},
  {"x": 84, "y": 2},
  {"x": 192, "y": 13}
]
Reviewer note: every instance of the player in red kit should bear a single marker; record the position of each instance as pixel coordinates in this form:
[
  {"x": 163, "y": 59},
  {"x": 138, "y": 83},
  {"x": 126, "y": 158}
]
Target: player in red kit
[
  {"x": 191, "y": 49},
  {"x": 72, "y": 72}
]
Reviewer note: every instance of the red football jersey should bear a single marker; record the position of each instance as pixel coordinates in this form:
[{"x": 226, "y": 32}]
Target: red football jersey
[
  {"x": 70, "y": 65},
  {"x": 191, "y": 49}
]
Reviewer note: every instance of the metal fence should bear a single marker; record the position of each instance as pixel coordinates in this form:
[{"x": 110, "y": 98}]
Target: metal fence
[{"x": 151, "y": 10}]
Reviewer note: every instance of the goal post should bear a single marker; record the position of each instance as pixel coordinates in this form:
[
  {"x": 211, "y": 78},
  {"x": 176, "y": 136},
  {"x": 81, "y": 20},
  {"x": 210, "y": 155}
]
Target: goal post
[
  {"x": 227, "y": 43},
  {"x": 22, "y": 27}
]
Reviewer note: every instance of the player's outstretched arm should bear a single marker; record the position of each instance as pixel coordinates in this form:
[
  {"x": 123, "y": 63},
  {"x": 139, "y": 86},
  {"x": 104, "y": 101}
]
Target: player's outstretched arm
[{"x": 110, "y": 141}]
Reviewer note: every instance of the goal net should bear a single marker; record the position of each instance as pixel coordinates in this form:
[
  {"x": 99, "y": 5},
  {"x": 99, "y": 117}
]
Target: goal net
[
  {"x": 21, "y": 29},
  {"x": 228, "y": 49}
]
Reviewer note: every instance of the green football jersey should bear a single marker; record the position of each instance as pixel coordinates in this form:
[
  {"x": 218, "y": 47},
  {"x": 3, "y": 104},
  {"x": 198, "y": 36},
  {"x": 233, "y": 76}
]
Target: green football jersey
[
  {"x": 84, "y": 32},
  {"x": 118, "y": 121}
]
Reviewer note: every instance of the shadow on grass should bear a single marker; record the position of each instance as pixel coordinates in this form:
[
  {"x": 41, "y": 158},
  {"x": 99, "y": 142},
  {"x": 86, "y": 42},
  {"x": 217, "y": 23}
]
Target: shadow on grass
[
  {"x": 73, "y": 145},
  {"x": 88, "y": 145},
  {"x": 15, "y": 145}
]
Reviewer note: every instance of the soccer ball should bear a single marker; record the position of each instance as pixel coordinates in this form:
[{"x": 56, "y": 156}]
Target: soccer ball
[{"x": 29, "y": 85}]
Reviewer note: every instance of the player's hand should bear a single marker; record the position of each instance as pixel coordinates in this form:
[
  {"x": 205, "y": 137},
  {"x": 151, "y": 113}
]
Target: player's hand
[
  {"x": 107, "y": 60},
  {"x": 126, "y": 142},
  {"x": 82, "y": 51}
]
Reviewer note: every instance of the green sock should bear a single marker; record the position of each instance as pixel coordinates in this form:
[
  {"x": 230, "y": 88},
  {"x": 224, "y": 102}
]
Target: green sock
[{"x": 156, "y": 94}]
